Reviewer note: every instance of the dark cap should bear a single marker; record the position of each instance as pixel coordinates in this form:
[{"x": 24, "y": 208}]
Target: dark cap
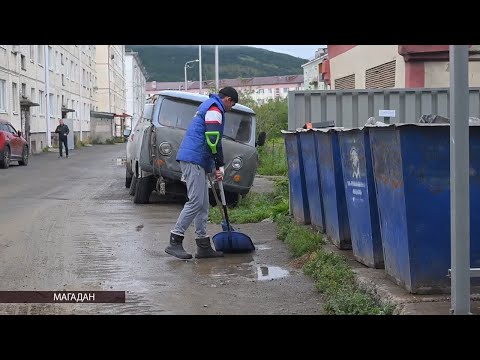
[{"x": 231, "y": 92}]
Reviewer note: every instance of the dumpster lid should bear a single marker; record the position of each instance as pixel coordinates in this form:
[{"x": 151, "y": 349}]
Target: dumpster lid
[{"x": 326, "y": 130}]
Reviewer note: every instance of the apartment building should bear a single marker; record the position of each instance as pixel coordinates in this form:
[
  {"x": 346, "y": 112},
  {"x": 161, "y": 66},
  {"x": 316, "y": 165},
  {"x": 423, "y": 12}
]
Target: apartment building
[
  {"x": 41, "y": 83},
  {"x": 260, "y": 89},
  {"x": 394, "y": 66},
  {"x": 313, "y": 78},
  {"x": 135, "y": 92},
  {"x": 110, "y": 61}
]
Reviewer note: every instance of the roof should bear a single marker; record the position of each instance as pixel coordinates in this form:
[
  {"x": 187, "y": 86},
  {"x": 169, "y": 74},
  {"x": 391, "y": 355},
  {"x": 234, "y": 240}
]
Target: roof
[
  {"x": 199, "y": 99},
  {"x": 238, "y": 82},
  {"x": 99, "y": 114}
]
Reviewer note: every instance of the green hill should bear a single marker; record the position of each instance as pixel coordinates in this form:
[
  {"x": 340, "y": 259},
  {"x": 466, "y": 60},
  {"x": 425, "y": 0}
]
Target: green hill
[{"x": 166, "y": 62}]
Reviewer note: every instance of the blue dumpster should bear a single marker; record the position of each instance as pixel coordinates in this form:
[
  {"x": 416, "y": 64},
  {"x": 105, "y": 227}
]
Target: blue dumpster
[
  {"x": 360, "y": 196},
  {"x": 296, "y": 178},
  {"x": 312, "y": 179},
  {"x": 333, "y": 191},
  {"x": 412, "y": 178}
]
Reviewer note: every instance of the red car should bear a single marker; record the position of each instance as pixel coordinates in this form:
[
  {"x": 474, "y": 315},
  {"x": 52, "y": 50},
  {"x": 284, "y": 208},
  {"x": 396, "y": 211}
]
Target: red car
[{"x": 12, "y": 145}]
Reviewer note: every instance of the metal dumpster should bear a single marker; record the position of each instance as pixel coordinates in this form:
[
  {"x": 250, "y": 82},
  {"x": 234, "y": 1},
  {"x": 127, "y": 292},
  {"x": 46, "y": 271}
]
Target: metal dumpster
[
  {"x": 360, "y": 197},
  {"x": 296, "y": 178},
  {"x": 412, "y": 177},
  {"x": 333, "y": 191},
  {"x": 312, "y": 178}
]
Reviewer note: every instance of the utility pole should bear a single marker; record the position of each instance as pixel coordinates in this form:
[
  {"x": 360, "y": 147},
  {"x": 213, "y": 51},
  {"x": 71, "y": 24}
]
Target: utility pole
[
  {"x": 200, "y": 68},
  {"x": 459, "y": 180},
  {"x": 217, "y": 83},
  {"x": 47, "y": 95},
  {"x": 80, "y": 92}
]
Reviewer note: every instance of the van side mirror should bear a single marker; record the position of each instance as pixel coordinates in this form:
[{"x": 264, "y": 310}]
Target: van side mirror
[
  {"x": 19, "y": 133},
  {"x": 126, "y": 133},
  {"x": 261, "y": 139}
]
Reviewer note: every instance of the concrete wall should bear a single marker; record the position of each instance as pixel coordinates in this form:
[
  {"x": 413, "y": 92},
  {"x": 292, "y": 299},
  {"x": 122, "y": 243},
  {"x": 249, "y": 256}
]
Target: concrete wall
[
  {"x": 362, "y": 57},
  {"x": 101, "y": 129},
  {"x": 437, "y": 74}
]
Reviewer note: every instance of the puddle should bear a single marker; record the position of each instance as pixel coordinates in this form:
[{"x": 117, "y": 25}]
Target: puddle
[
  {"x": 231, "y": 267},
  {"x": 120, "y": 161},
  {"x": 271, "y": 273}
]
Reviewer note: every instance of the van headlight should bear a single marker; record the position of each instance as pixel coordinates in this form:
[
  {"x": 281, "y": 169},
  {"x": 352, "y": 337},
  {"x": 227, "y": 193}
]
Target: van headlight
[
  {"x": 165, "y": 148},
  {"x": 237, "y": 163}
]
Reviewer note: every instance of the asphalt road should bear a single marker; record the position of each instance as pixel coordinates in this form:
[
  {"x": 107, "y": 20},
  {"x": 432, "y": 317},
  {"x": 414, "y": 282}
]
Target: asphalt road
[{"x": 70, "y": 225}]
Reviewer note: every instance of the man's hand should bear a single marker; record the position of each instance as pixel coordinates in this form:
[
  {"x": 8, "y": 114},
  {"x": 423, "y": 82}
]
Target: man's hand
[{"x": 219, "y": 174}]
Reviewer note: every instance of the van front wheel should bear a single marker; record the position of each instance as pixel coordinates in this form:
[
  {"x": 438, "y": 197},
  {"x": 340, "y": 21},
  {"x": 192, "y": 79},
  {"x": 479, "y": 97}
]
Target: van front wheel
[{"x": 143, "y": 189}]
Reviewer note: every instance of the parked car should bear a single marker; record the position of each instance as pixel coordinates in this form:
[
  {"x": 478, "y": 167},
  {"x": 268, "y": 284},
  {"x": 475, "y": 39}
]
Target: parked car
[
  {"x": 133, "y": 142},
  {"x": 155, "y": 167},
  {"x": 13, "y": 147}
]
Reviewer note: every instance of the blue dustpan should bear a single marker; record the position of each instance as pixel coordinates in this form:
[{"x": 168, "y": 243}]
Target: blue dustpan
[
  {"x": 233, "y": 242},
  {"x": 229, "y": 240}
]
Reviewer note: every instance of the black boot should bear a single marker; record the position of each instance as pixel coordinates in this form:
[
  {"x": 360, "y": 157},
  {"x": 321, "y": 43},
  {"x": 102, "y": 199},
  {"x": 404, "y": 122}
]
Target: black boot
[
  {"x": 204, "y": 249},
  {"x": 176, "y": 248}
]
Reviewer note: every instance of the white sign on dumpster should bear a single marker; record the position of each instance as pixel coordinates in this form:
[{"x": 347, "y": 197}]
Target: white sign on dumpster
[{"x": 386, "y": 113}]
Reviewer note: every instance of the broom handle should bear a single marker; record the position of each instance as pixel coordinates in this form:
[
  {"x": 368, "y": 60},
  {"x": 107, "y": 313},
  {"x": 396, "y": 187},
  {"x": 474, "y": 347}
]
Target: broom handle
[
  {"x": 222, "y": 195},
  {"x": 224, "y": 204}
]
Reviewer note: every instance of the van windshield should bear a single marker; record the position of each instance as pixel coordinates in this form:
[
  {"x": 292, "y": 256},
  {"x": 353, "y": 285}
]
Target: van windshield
[{"x": 179, "y": 114}]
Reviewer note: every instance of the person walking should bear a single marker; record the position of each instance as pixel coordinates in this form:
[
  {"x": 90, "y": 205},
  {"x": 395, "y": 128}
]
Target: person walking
[{"x": 62, "y": 130}]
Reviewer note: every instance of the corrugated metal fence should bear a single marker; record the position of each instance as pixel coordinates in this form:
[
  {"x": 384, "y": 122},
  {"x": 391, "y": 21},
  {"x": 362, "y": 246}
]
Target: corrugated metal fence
[{"x": 352, "y": 108}]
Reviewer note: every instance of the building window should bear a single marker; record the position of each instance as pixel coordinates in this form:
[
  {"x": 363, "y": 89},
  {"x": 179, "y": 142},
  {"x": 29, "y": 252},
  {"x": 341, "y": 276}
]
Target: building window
[
  {"x": 63, "y": 80},
  {"x": 14, "y": 97},
  {"x": 32, "y": 99},
  {"x": 40, "y": 55},
  {"x": 67, "y": 69},
  {"x": 50, "y": 58},
  {"x": 23, "y": 62},
  {"x": 41, "y": 102},
  {"x": 2, "y": 96},
  {"x": 57, "y": 62},
  {"x": 346, "y": 82},
  {"x": 61, "y": 58},
  {"x": 381, "y": 76},
  {"x": 32, "y": 53},
  {"x": 24, "y": 90},
  {"x": 51, "y": 104}
]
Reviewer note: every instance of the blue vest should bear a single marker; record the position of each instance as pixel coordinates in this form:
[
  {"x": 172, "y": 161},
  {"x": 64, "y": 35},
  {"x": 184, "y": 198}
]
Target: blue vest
[{"x": 194, "y": 147}]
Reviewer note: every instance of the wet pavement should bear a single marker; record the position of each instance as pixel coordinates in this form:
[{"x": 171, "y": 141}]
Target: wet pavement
[{"x": 69, "y": 224}]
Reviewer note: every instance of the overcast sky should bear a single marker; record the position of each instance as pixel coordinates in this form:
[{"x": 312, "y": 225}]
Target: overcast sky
[{"x": 301, "y": 51}]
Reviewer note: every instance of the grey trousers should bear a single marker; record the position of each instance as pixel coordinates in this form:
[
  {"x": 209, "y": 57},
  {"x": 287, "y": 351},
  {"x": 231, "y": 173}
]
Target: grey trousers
[{"x": 198, "y": 205}]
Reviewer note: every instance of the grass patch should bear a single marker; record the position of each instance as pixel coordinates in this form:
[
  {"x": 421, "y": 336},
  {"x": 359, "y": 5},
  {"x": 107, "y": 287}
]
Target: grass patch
[
  {"x": 252, "y": 208},
  {"x": 272, "y": 158},
  {"x": 332, "y": 275}
]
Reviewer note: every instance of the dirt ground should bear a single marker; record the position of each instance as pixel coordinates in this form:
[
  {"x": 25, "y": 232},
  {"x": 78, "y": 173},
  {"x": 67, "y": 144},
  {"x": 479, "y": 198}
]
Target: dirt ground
[{"x": 69, "y": 224}]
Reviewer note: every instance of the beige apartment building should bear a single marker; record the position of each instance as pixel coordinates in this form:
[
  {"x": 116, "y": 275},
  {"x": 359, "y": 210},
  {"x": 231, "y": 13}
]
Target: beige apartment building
[
  {"x": 34, "y": 105},
  {"x": 110, "y": 61},
  {"x": 394, "y": 66}
]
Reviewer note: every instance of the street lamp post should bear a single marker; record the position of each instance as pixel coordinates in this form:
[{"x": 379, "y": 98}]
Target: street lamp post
[{"x": 185, "y": 68}]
